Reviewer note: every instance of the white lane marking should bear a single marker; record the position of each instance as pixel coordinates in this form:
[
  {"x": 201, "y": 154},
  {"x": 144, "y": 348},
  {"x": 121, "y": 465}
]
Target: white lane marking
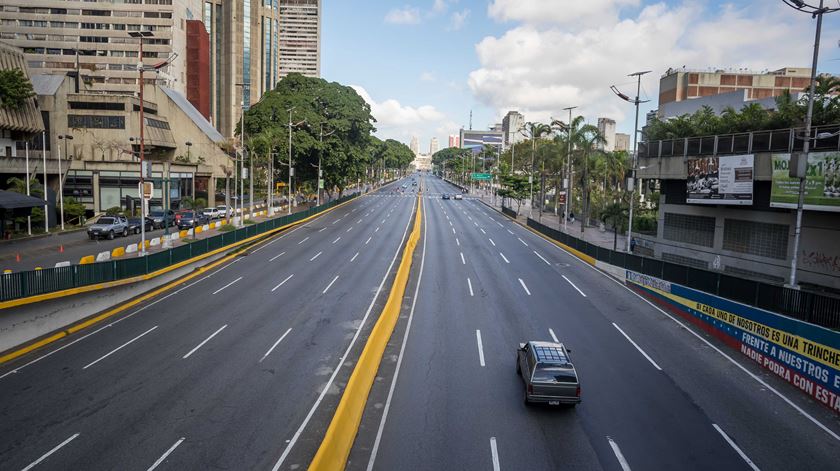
[
  {"x": 621, "y": 461},
  {"x": 349, "y": 229},
  {"x": 383, "y": 221},
  {"x": 354, "y": 256},
  {"x": 128, "y": 316},
  {"x": 367, "y": 241},
  {"x": 573, "y": 285},
  {"x": 316, "y": 256},
  {"x": 505, "y": 259},
  {"x": 480, "y": 347},
  {"x": 275, "y": 345},
  {"x": 524, "y": 287},
  {"x": 457, "y": 242},
  {"x": 482, "y": 231},
  {"x": 336, "y": 221},
  {"x": 491, "y": 241},
  {"x": 546, "y": 261},
  {"x": 402, "y": 352},
  {"x": 343, "y": 358},
  {"x": 354, "y": 210},
  {"x": 447, "y": 217},
  {"x": 450, "y": 223},
  {"x": 510, "y": 231},
  {"x": 523, "y": 242},
  {"x": 165, "y": 455},
  {"x": 760, "y": 381},
  {"x": 377, "y": 229},
  {"x": 323, "y": 229},
  {"x": 118, "y": 349},
  {"x": 337, "y": 239},
  {"x": 359, "y": 221},
  {"x": 329, "y": 285},
  {"x": 304, "y": 240},
  {"x": 225, "y": 286},
  {"x": 736, "y": 448},
  {"x": 553, "y": 337},
  {"x": 453, "y": 230},
  {"x": 476, "y": 224},
  {"x": 497, "y": 222},
  {"x": 637, "y": 347},
  {"x": 494, "y": 453},
  {"x": 47, "y": 454},
  {"x": 205, "y": 341},
  {"x": 277, "y": 256},
  {"x": 282, "y": 282},
  {"x": 463, "y": 262},
  {"x": 468, "y": 217},
  {"x": 469, "y": 283}
]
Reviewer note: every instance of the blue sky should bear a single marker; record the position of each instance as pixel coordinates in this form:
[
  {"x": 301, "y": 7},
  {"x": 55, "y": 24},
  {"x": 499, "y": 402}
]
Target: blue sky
[{"x": 424, "y": 65}]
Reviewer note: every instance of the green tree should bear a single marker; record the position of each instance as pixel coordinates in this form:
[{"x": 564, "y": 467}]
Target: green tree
[
  {"x": 15, "y": 89},
  {"x": 515, "y": 187},
  {"x": 74, "y": 211}
]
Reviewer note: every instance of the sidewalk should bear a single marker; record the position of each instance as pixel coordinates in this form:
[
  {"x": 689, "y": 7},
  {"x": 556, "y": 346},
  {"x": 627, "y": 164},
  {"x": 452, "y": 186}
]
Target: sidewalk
[{"x": 591, "y": 234}]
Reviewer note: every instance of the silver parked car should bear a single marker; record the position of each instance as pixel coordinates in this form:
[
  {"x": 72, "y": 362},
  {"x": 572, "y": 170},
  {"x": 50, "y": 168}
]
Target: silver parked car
[
  {"x": 108, "y": 227},
  {"x": 548, "y": 373}
]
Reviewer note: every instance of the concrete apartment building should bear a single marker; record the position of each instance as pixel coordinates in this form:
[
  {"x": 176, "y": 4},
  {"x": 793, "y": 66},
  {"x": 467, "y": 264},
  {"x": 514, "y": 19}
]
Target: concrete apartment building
[
  {"x": 415, "y": 145},
  {"x": 606, "y": 127},
  {"x": 622, "y": 142},
  {"x": 433, "y": 146},
  {"x": 686, "y": 84},
  {"x": 512, "y": 123},
  {"x": 454, "y": 141}
]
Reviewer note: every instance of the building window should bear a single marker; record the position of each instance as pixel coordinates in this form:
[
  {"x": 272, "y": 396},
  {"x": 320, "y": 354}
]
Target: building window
[
  {"x": 156, "y": 123},
  {"x": 92, "y": 105},
  {"x": 95, "y": 122},
  {"x": 756, "y": 238},
  {"x": 696, "y": 230}
]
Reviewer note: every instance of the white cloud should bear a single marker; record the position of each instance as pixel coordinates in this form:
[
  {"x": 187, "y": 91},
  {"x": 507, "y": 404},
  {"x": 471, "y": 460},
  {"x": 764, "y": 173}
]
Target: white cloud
[
  {"x": 406, "y": 15},
  {"x": 439, "y": 6},
  {"x": 398, "y": 121},
  {"x": 456, "y": 21},
  {"x": 427, "y": 77},
  {"x": 545, "y": 63}
]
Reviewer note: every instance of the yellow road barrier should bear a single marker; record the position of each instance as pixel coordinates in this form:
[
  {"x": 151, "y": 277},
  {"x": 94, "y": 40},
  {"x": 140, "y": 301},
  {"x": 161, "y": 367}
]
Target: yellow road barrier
[
  {"x": 338, "y": 440},
  {"x": 87, "y": 260},
  {"x": 118, "y": 252}
]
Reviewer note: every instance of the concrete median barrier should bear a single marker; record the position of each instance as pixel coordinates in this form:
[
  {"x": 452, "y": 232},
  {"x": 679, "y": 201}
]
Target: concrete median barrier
[
  {"x": 131, "y": 248},
  {"x": 87, "y": 259},
  {"x": 103, "y": 256},
  {"x": 62, "y": 264},
  {"x": 118, "y": 252},
  {"x": 182, "y": 234},
  {"x": 154, "y": 242},
  {"x": 199, "y": 229}
]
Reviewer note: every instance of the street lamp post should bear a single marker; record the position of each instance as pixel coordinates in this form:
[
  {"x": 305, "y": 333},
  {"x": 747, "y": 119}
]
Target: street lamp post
[
  {"x": 815, "y": 12},
  {"x": 65, "y": 137},
  {"x": 568, "y": 170},
  {"x": 632, "y": 180},
  {"x": 140, "y": 68},
  {"x": 320, "y": 152}
]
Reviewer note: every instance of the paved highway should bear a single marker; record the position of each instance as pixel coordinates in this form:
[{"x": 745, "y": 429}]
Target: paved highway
[
  {"x": 655, "y": 396},
  {"x": 221, "y": 373}
]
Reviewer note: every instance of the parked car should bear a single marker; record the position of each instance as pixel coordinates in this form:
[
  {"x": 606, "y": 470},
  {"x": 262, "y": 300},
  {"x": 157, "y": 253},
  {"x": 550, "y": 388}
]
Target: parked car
[
  {"x": 211, "y": 213},
  {"x": 445, "y": 196},
  {"x": 223, "y": 211},
  {"x": 548, "y": 373},
  {"x": 108, "y": 226},
  {"x": 459, "y": 196},
  {"x": 134, "y": 225},
  {"x": 190, "y": 219},
  {"x": 161, "y": 217}
]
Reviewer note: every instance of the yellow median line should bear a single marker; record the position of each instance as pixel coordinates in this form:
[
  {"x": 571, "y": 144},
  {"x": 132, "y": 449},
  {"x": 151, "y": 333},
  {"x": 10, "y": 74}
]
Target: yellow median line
[
  {"x": 128, "y": 304},
  {"x": 577, "y": 253},
  {"x": 335, "y": 448}
]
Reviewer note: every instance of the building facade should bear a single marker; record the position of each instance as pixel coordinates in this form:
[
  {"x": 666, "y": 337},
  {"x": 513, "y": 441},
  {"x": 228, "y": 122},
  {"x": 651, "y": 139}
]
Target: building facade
[
  {"x": 606, "y": 127},
  {"x": 434, "y": 146},
  {"x": 511, "y": 124},
  {"x": 454, "y": 141},
  {"x": 198, "y": 67},
  {"x": 685, "y": 84},
  {"x": 622, "y": 142},
  {"x": 415, "y": 145},
  {"x": 300, "y": 37}
]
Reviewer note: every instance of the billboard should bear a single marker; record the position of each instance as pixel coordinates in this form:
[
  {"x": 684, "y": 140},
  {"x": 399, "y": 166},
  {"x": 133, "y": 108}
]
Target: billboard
[
  {"x": 725, "y": 179},
  {"x": 475, "y": 140},
  {"x": 822, "y": 184}
]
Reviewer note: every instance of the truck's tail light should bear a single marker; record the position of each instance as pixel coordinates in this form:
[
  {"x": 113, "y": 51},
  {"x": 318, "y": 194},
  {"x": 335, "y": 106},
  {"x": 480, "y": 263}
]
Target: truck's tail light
[{"x": 577, "y": 393}]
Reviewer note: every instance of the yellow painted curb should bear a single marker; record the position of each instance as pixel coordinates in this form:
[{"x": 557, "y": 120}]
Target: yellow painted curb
[
  {"x": 118, "y": 252},
  {"x": 335, "y": 448},
  {"x": 88, "y": 259},
  {"x": 58, "y": 294}
]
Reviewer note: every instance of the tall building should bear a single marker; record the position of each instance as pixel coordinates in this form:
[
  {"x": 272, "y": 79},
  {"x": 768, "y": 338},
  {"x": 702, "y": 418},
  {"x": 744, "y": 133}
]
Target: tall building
[
  {"x": 454, "y": 141},
  {"x": 300, "y": 37},
  {"x": 198, "y": 67},
  {"x": 434, "y": 146},
  {"x": 606, "y": 127},
  {"x": 58, "y": 37},
  {"x": 511, "y": 124},
  {"x": 415, "y": 145},
  {"x": 622, "y": 142},
  {"x": 686, "y": 84}
]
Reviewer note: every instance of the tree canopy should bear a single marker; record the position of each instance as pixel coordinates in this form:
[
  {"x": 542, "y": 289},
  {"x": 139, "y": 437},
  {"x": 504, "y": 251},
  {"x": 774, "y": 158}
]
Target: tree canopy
[{"x": 15, "y": 88}]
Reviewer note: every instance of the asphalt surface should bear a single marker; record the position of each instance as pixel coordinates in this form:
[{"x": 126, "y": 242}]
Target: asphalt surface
[
  {"x": 222, "y": 372},
  {"x": 666, "y": 401}
]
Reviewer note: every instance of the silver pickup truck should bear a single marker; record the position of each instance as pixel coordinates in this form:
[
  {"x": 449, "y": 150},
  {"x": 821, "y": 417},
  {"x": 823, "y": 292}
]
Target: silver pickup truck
[
  {"x": 548, "y": 373},
  {"x": 108, "y": 227}
]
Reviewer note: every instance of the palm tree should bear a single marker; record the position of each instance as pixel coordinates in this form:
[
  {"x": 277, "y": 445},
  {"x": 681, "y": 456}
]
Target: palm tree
[
  {"x": 535, "y": 131},
  {"x": 587, "y": 138}
]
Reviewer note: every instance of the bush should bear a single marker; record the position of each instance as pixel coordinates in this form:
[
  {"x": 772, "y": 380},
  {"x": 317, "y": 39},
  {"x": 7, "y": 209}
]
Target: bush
[
  {"x": 644, "y": 222},
  {"x": 227, "y": 228},
  {"x": 250, "y": 221},
  {"x": 114, "y": 211}
]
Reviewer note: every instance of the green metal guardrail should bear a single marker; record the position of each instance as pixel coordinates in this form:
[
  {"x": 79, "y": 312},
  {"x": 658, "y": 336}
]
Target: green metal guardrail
[{"x": 36, "y": 282}]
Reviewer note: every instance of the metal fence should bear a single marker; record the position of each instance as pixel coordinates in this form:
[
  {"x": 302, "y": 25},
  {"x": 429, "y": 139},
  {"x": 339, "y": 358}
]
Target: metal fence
[
  {"x": 803, "y": 305},
  {"x": 36, "y": 282}
]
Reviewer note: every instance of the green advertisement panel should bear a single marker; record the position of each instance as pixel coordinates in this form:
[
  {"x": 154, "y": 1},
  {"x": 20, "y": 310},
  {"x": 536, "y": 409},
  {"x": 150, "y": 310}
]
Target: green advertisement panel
[{"x": 822, "y": 184}]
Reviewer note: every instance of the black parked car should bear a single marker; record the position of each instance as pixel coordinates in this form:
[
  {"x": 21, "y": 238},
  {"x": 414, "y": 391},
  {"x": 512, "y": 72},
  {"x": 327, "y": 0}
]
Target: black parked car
[
  {"x": 134, "y": 225},
  {"x": 159, "y": 216},
  {"x": 191, "y": 219}
]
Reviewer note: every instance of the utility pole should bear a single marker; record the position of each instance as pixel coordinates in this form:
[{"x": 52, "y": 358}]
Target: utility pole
[
  {"x": 46, "y": 202},
  {"x": 568, "y": 184},
  {"x": 140, "y": 35},
  {"x": 320, "y": 152}
]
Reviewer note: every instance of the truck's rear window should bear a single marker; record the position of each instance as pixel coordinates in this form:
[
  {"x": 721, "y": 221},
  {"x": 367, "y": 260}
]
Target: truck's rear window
[{"x": 554, "y": 374}]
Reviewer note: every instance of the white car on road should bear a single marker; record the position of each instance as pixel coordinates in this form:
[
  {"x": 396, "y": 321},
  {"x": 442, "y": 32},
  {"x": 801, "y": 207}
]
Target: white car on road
[{"x": 212, "y": 213}]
